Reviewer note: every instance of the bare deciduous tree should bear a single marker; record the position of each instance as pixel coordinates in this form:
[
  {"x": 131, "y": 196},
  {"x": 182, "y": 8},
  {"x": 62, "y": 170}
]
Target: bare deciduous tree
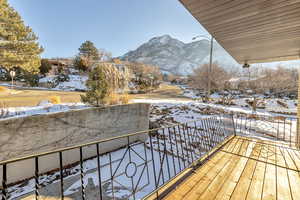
[{"x": 218, "y": 77}]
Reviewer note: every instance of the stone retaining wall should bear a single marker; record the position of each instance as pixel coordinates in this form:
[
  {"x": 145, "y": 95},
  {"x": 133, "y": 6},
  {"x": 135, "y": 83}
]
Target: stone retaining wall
[{"x": 41, "y": 133}]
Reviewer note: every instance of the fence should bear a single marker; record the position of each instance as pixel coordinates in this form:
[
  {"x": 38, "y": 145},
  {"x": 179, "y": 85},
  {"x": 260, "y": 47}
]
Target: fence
[
  {"x": 271, "y": 127},
  {"x": 131, "y": 172}
]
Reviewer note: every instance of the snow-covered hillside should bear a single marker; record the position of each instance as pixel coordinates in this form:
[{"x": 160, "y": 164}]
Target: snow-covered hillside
[{"x": 174, "y": 56}]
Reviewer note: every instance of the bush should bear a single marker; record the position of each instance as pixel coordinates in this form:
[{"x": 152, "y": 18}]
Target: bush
[
  {"x": 3, "y": 89},
  {"x": 45, "y": 66},
  {"x": 62, "y": 78},
  {"x": 31, "y": 79},
  {"x": 80, "y": 64},
  {"x": 112, "y": 99},
  {"x": 55, "y": 100},
  {"x": 125, "y": 98},
  {"x": 97, "y": 88}
]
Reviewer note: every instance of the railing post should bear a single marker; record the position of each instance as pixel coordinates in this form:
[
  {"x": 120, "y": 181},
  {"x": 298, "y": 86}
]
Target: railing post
[
  {"x": 4, "y": 186},
  {"x": 297, "y": 134},
  {"x": 233, "y": 124}
]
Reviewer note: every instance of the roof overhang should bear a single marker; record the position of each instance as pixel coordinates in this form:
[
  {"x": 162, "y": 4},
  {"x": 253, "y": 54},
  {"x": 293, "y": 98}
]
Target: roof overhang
[{"x": 252, "y": 31}]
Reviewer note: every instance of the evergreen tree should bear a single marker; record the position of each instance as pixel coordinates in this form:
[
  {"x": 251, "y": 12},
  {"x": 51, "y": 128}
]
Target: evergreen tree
[
  {"x": 89, "y": 53},
  {"x": 45, "y": 66},
  {"x": 88, "y": 50},
  {"x": 80, "y": 64},
  {"x": 18, "y": 44},
  {"x": 97, "y": 87}
]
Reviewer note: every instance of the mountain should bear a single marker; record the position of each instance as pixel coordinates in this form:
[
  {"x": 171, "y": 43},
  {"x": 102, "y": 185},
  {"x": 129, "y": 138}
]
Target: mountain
[{"x": 176, "y": 57}]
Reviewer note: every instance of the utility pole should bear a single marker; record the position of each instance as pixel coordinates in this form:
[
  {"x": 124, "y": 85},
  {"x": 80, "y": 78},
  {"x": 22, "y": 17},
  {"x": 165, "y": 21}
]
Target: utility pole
[
  {"x": 210, "y": 63},
  {"x": 210, "y": 67}
]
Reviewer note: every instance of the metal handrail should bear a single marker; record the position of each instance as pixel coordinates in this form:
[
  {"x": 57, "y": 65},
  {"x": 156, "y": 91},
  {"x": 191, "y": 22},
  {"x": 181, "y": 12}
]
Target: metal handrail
[
  {"x": 167, "y": 151},
  {"x": 90, "y": 143}
]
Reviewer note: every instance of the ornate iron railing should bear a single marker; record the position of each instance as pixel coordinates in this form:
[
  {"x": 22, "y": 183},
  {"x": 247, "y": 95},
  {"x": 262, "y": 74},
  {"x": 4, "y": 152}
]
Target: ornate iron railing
[
  {"x": 131, "y": 172},
  {"x": 280, "y": 128}
]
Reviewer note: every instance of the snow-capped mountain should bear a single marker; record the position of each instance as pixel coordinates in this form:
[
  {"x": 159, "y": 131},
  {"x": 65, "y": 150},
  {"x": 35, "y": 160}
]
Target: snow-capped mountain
[{"x": 174, "y": 56}]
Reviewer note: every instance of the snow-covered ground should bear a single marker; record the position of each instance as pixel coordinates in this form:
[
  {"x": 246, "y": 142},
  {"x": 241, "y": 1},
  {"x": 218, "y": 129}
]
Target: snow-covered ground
[
  {"x": 164, "y": 112},
  {"x": 75, "y": 82},
  {"x": 164, "y": 154},
  {"x": 265, "y": 104},
  {"x": 43, "y": 108}
]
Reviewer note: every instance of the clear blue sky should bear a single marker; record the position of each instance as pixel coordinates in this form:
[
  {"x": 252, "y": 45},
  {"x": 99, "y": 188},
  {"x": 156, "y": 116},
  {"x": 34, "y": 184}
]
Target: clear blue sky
[{"x": 115, "y": 25}]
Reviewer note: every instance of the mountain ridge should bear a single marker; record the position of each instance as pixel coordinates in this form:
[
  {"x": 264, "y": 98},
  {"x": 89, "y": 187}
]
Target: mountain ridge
[{"x": 176, "y": 57}]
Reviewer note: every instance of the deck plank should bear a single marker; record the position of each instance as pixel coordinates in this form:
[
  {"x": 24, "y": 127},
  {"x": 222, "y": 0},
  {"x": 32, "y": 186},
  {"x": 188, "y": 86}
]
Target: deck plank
[
  {"x": 294, "y": 178},
  {"x": 218, "y": 159},
  {"x": 243, "y": 183},
  {"x": 269, "y": 188},
  {"x": 245, "y": 169},
  {"x": 229, "y": 186},
  {"x": 283, "y": 182},
  {"x": 289, "y": 160},
  {"x": 237, "y": 163},
  {"x": 211, "y": 175},
  {"x": 283, "y": 185},
  {"x": 256, "y": 186}
]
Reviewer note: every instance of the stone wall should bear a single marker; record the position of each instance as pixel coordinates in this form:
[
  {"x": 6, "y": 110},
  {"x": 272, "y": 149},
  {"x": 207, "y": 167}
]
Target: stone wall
[{"x": 42, "y": 133}]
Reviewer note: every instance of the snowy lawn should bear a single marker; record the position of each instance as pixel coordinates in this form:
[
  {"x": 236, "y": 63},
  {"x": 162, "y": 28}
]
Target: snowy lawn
[
  {"x": 44, "y": 108},
  {"x": 164, "y": 112}
]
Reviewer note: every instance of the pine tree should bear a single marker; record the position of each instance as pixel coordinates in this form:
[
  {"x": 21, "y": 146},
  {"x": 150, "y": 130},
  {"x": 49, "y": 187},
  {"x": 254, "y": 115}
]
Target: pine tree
[
  {"x": 45, "y": 66},
  {"x": 89, "y": 53},
  {"x": 18, "y": 44},
  {"x": 88, "y": 50},
  {"x": 80, "y": 64},
  {"x": 97, "y": 87}
]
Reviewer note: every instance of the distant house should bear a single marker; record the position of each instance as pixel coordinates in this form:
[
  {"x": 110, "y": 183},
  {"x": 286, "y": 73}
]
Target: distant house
[{"x": 60, "y": 66}]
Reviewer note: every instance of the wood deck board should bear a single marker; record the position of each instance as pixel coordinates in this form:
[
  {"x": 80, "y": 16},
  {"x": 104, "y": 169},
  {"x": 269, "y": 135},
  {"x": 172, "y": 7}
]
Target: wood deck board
[
  {"x": 218, "y": 159},
  {"x": 239, "y": 162},
  {"x": 243, "y": 183},
  {"x": 208, "y": 177},
  {"x": 245, "y": 169}
]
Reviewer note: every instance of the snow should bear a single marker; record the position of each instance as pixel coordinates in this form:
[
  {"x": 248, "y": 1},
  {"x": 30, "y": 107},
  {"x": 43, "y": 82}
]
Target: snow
[
  {"x": 76, "y": 82},
  {"x": 44, "y": 107},
  {"x": 164, "y": 112},
  {"x": 240, "y": 103},
  {"x": 47, "y": 79},
  {"x": 116, "y": 163}
]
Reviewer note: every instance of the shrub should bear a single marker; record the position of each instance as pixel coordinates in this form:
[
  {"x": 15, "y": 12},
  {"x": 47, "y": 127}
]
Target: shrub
[
  {"x": 31, "y": 79},
  {"x": 125, "y": 98},
  {"x": 45, "y": 66},
  {"x": 80, "y": 64},
  {"x": 55, "y": 100},
  {"x": 63, "y": 78},
  {"x": 97, "y": 88},
  {"x": 112, "y": 99},
  {"x": 3, "y": 89}
]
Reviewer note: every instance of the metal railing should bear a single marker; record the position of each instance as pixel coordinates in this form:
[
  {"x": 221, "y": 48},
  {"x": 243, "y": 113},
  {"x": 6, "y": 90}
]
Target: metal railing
[
  {"x": 131, "y": 172},
  {"x": 279, "y": 128}
]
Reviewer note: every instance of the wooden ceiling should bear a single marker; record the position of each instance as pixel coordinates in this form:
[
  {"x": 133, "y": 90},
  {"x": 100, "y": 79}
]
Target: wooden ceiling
[{"x": 252, "y": 31}]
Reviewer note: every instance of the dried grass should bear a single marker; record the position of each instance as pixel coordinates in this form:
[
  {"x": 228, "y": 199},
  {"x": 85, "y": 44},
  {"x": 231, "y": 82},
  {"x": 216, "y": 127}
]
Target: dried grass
[
  {"x": 55, "y": 99},
  {"x": 117, "y": 99},
  {"x": 3, "y": 89},
  {"x": 125, "y": 98},
  {"x": 112, "y": 99}
]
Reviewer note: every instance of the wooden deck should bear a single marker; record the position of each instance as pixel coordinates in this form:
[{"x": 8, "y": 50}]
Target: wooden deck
[{"x": 245, "y": 168}]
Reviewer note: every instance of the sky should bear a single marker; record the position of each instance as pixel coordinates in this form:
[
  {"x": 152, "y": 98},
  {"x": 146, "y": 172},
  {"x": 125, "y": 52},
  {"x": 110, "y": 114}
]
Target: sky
[{"x": 114, "y": 25}]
